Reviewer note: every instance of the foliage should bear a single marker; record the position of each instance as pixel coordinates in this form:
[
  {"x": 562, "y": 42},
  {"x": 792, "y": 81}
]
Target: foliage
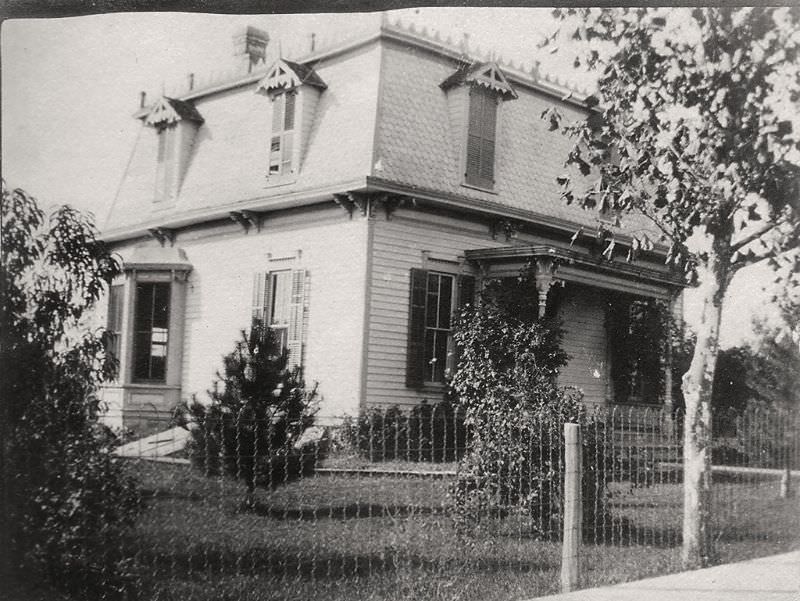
[
  {"x": 259, "y": 410},
  {"x": 693, "y": 127},
  {"x": 506, "y": 383},
  {"x": 429, "y": 432},
  {"x": 67, "y": 499}
]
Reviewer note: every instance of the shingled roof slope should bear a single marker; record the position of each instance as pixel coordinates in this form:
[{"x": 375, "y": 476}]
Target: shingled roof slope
[
  {"x": 229, "y": 160},
  {"x": 419, "y": 147}
]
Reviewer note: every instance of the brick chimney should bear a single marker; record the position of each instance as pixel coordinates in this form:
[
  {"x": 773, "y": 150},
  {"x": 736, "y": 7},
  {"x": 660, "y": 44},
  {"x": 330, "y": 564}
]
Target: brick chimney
[{"x": 250, "y": 46}]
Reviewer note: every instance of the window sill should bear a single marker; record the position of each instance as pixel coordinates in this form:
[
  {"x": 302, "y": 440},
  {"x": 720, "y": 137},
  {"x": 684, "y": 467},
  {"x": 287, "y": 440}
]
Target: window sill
[
  {"x": 479, "y": 188},
  {"x": 273, "y": 181},
  {"x": 150, "y": 385}
]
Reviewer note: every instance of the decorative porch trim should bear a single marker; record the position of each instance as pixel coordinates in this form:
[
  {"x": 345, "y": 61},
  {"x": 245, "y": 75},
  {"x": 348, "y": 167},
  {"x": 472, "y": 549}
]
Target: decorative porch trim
[{"x": 570, "y": 265}]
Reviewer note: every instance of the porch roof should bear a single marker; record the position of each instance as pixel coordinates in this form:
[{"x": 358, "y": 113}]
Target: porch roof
[{"x": 572, "y": 265}]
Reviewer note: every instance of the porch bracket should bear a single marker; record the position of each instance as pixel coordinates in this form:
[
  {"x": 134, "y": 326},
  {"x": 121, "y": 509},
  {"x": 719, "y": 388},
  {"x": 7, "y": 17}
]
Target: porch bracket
[
  {"x": 163, "y": 235},
  {"x": 545, "y": 276}
]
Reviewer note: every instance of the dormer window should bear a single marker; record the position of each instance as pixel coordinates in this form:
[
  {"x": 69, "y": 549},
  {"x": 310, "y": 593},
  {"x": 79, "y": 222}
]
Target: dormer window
[
  {"x": 294, "y": 90},
  {"x": 176, "y": 123},
  {"x": 475, "y": 93},
  {"x": 481, "y": 130},
  {"x": 281, "y": 147},
  {"x": 166, "y": 162}
]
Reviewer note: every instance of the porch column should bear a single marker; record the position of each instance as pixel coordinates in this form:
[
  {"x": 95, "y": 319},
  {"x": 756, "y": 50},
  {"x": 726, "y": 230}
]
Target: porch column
[{"x": 545, "y": 269}]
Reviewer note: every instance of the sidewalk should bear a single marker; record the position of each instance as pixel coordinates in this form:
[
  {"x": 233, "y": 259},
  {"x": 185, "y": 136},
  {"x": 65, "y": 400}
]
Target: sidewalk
[{"x": 775, "y": 578}]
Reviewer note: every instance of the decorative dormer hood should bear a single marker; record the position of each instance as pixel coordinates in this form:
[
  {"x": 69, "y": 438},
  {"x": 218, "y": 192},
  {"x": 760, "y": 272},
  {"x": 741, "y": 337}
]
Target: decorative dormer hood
[
  {"x": 488, "y": 75},
  {"x": 285, "y": 75},
  {"x": 168, "y": 111}
]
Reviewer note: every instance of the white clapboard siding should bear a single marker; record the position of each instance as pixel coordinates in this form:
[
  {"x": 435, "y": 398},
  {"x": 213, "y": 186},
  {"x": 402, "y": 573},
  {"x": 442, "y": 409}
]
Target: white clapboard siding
[
  {"x": 583, "y": 315},
  {"x": 397, "y": 248},
  {"x": 330, "y": 247}
]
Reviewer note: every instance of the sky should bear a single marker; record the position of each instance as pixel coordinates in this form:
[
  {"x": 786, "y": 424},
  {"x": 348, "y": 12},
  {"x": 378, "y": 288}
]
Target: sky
[{"x": 71, "y": 85}]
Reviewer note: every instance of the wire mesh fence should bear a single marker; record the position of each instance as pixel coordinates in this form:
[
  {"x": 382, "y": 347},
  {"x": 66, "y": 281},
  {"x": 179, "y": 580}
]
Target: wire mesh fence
[{"x": 385, "y": 506}]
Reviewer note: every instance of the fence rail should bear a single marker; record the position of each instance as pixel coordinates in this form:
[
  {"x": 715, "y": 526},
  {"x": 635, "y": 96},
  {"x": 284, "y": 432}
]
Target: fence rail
[{"x": 388, "y": 506}]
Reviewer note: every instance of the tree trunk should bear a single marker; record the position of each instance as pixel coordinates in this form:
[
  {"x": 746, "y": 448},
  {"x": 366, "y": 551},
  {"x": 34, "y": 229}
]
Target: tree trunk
[{"x": 697, "y": 388}]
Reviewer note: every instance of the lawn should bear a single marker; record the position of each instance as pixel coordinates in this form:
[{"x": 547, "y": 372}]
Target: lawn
[{"x": 358, "y": 537}]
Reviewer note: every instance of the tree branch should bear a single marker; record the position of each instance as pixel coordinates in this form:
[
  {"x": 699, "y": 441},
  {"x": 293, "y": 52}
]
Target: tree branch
[{"x": 754, "y": 236}]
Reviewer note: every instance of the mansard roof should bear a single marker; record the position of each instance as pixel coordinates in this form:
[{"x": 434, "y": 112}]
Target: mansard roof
[
  {"x": 166, "y": 111},
  {"x": 286, "y": 75},
  {"x": 488, "y": 75}
]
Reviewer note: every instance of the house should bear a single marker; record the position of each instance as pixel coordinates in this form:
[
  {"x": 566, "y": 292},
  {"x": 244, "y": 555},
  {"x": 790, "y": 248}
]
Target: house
[{"x": 353, "y": 198}]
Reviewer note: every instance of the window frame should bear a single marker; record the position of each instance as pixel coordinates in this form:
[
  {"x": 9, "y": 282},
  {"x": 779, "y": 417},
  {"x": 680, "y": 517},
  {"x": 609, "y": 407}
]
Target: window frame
[
  {"x": 282, "y": 133},
  {"x": 165, "y": 161},
  {"x": 137, "y": 330},
  {"x": 114, "y": 321},
  {"x": 430, "y": 370}
]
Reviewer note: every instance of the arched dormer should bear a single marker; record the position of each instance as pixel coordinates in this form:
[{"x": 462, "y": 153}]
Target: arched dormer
[
  {"x": 474, "y": 94},
  {"x": 294, "y": 90},
  {"x": 176, "y": 123}
]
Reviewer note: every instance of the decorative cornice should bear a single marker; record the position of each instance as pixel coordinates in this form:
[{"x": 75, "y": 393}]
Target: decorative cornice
[{"x": 577, "y": 259}]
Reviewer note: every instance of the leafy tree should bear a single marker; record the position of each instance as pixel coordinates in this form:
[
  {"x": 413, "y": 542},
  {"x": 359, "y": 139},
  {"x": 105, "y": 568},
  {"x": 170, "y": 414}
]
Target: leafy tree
[
  {"x": 691, "y": 127},
  {"x": 66, "y": 498},
  {"x": 258, "y": 413}
]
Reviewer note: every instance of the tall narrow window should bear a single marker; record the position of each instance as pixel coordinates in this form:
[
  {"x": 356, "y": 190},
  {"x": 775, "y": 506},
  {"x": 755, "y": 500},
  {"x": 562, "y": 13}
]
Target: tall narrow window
[
  {"x": 151, "y": 331},
  {"x": 166, "y": 161},
  {"x": 438, "y": 311},
  {"x": 433, "y": 298},
  {"x": 282, "y": 139},
  {"x": 279, "y": 301},
  {"x": 481, "y": 138},
  {"x": 114, "y": 323}
]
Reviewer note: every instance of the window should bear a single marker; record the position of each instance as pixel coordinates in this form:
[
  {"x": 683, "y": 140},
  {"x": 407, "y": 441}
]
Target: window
[
  {"x": 438, "y": 311},
  {"x": 114, "y": 322},
  {"x": 481, "y": 131},
  {"x": 166, "y": 161},
  {"x": 434, "y": 296},
  {"x": 151, "y": 331},
  {"x": 279, "y": 302},
  {"x": 282, "y": 139}
]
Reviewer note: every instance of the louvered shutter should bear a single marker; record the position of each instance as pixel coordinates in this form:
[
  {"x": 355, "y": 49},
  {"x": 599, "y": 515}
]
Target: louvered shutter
[
  {"x": 297, "y": 318},
  {"x": 466, "y": 291},
  {"x": 261, "y": 296},
  {"x": 415, "y": 364},
  {"x": 465, "y": 296},
  {"x": 288, "y": 111},
  {"x": 482, "y": 127},
  {"x": 277, "y": 113}
]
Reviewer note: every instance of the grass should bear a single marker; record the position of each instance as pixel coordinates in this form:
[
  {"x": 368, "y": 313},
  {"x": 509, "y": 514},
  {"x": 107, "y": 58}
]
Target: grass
[{"x": 354, "y": 537}]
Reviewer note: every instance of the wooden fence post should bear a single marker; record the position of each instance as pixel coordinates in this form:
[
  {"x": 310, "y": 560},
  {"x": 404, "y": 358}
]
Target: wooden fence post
[{"x": 573, "y": 508}]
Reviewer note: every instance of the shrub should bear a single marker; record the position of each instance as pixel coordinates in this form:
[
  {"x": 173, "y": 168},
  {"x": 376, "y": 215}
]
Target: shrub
[
  {"x": 506, "y": 383},
  {"x": 428, "y": 432},
  {"x": 259, "y": 410},
  {"x": 67, "y": 500}
]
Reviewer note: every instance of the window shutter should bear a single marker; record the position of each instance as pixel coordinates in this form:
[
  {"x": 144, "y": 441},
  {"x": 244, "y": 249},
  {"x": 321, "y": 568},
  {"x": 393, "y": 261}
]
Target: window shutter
[
  {"x": 415, "y": 366},
  {"x": 261, "y": 294},
  {"x": 297, "y": 318},
  {"x": 466, "y": 291},
  {"x": 465, "y": 296},
  {"x": 482, "y": 127},
  {"x": 277, "y": 113},
  {"x": 288, "y": 119}
]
